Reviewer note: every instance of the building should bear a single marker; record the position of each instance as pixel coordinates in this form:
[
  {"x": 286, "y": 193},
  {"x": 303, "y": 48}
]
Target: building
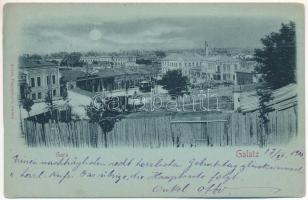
[
  {"x": 108, "y": 79},
  {"x": 200, "y": 69},
  {"x": 204, "y": 68},
  {"x": 70, "y": 76},
  {"x": 181, "y": 61},
  {"x": 221, "y": 68},
  {"x": 41, "y": 77},
  {"x": 91, "y": 59},
  {"x": 246, "y": 98},
  {"x": 123, "y": 60},
  {"x": 246, "y": 73},
  {"x": 244, "y": 78},
  {"x": 114, "y": 60}
]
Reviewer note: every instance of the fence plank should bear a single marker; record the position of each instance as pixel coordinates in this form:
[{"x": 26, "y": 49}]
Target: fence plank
[{"x": 210, "y": 129}]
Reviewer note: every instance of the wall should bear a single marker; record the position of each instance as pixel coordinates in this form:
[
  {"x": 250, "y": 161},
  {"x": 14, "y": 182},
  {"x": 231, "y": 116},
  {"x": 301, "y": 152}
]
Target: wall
[{"x": 43, "y": 72}]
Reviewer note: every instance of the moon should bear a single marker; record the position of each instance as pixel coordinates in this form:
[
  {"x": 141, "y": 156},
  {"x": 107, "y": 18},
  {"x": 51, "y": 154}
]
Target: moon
[{"x": 95, "y": 34}]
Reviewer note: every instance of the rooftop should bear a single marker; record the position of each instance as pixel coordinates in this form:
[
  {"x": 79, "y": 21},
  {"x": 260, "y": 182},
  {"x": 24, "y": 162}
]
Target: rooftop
[
  {"x": 222, "y": 59},
  {"x": 107, "y": 56},
  {"x": 122, "y": 71},
  {"x": 187, "y": 56},
  {"x": 24, "y": 63},
  {"x": 282, "y": 98},
  {"x": 72, "y": 75}
]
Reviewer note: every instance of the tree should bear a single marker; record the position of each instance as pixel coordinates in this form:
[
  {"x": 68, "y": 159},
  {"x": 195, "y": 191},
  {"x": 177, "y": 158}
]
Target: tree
[
  {"x": 160, "y": 54},
  {"x": 64, "y": 93},
  {"x": 54, "y": 62},
  {"x": 61, "y": 54},
  {"x": 92, "y": 53},
  {"x": 27, "y": 104},
  {"x": 175, "y": 83},
  {"x": 105, "y": 116},
  {"x": 72, "y": 60},
  {"x": 277, "y": 66},
  {"x": 63, "y": 88},
  {"x": 26, "y": 101},
  {"x": 49, "y": 101},
  {"x": 27, "y": 58},
  {"x": 143, "y": 61},
  {"x": 277, "y": 58},
  {"x": 36, "y": 57}
]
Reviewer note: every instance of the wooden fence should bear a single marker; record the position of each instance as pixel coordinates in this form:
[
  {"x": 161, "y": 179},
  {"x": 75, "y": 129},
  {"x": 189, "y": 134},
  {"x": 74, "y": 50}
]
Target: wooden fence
[{"x": 171, "y": 130}]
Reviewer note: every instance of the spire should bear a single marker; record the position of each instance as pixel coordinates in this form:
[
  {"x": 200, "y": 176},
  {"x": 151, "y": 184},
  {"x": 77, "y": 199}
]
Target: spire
[{"x": 206, "y": 49}]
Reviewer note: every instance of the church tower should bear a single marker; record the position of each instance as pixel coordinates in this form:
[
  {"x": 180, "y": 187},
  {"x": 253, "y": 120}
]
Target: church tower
[{"x": 206, "y": 49}]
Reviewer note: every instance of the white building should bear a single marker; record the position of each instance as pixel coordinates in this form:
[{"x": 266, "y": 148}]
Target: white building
[
  {"x": 195, "y": 66},
  {"x": 184, "y": 62},
  {"x": 42, "y": 77},
  {"x": 116, "y": 61},
  {"x": 124, "y": 60},
  {"x": 221, "y": 68},
  {"x": 201, "y": 69},
  {"x": 91, "y": 59}
]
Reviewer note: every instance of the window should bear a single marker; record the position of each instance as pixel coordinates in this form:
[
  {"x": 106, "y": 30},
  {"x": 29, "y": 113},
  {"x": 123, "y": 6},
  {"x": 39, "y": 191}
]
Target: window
[
  {"x": 32, "y": 82},
  {"x": 38, "y": 80},
  {"x": 218, "y": 69},
  {"x": 54, "y": 92},
  {"x": 39, "y": 95},
  {"x": 53, "y": 79},
  {"x": 33, "y": 96},
  {"x": 48, "y": 80}
]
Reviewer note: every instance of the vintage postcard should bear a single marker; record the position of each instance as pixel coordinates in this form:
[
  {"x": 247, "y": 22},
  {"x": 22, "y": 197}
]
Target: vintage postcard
[{"x": 154, "y": 100}]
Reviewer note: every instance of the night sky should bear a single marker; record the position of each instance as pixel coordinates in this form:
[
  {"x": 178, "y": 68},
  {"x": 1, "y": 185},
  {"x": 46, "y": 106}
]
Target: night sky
[{"x": 130, "y": 27}]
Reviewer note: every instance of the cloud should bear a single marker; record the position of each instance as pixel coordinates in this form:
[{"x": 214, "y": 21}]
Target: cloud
[
  {"x": 149, "y": 35},
  {"x": 51, "y": 34},
  {"x": 154, "y": 33}
]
